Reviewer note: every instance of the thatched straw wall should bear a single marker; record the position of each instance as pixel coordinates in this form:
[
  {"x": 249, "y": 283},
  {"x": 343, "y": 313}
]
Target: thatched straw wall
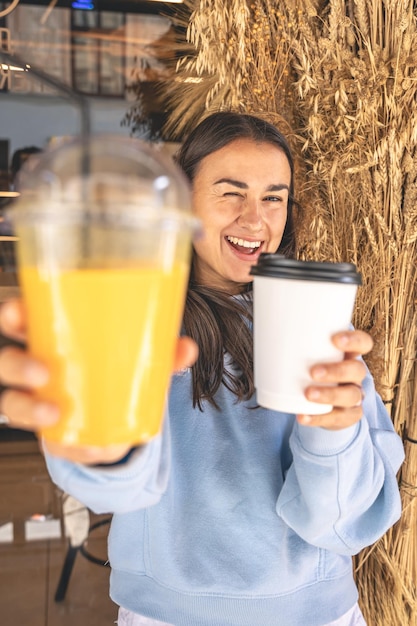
[{"x": 343, "y": 75}]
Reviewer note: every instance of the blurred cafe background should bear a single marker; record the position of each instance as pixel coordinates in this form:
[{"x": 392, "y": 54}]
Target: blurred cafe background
[{"x": 53, "y": 569}]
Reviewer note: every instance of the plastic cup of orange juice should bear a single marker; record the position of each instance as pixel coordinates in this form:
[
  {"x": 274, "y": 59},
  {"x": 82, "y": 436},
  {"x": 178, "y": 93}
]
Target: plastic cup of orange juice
[{"x": 104, "y": 239}]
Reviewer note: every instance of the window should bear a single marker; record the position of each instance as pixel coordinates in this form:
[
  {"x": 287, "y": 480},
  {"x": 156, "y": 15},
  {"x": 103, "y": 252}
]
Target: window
[
  {"x": 95, "y": 52},
  {"x": 98, "y": 52}
]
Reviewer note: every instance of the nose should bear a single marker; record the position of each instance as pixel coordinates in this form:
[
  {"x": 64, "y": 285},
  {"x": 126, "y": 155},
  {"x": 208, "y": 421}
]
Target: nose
[{"x": 251, "y": 216}]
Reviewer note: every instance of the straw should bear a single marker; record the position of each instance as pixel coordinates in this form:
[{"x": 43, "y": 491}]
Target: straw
[
  {"x": 66, "y": 92},
  {"x": 85, "y": 126}
]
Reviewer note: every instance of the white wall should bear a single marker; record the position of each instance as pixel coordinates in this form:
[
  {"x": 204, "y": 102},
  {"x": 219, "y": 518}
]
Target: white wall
[{"x": 28, "y": 120}]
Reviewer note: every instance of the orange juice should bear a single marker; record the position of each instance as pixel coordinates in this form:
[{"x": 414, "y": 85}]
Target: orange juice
[{"x": 108, "y": 337}]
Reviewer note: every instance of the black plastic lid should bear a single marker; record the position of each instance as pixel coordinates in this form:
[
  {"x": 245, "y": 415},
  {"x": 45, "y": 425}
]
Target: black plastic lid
[{"x": 278, "y": 266}]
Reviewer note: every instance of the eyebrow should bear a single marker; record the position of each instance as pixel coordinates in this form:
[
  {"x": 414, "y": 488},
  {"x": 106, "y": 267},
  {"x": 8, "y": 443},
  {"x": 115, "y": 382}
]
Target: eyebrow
[{"x": 241, "y": 185}]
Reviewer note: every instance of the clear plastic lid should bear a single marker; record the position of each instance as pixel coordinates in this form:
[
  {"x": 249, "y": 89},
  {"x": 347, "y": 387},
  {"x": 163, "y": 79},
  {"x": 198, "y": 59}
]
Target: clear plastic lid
[{"x": 103, "y": 178}]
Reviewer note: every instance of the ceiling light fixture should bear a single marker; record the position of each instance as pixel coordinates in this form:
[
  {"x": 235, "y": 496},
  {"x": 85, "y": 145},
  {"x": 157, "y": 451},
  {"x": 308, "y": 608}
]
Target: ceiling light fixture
[
  {"x": 9, "y": 194},
  {"x": 12, "y": 68}
]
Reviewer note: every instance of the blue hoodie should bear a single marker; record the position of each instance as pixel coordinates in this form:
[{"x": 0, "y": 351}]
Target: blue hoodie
[{"x": 242, "y": 516}]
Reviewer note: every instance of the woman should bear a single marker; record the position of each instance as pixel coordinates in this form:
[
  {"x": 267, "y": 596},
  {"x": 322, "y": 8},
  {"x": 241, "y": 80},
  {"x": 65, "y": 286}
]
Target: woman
[{"x": 235, "y": 515}]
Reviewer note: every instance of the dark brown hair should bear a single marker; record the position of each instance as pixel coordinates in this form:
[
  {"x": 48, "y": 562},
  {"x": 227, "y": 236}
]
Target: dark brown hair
[{"x": 218, "y": 322}]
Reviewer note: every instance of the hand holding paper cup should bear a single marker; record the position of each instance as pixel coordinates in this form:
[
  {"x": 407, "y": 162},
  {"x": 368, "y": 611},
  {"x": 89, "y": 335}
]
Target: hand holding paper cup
[
  {"x": 104, "y": 245},
  {"x": 298, "y": 306}
]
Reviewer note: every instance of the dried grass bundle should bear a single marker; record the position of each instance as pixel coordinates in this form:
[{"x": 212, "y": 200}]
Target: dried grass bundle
[
  {"x": 343, "y": 73},
  {"x": 210, "y": 74}
]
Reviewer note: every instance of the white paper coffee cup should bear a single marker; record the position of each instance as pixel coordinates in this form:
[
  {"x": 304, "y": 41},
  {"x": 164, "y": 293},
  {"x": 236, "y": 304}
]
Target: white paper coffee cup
[{"x": 298, "y": 305}]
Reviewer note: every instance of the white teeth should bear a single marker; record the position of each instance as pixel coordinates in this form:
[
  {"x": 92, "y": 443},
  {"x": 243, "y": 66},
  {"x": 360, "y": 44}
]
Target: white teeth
[{"x": 244, "y": 243}]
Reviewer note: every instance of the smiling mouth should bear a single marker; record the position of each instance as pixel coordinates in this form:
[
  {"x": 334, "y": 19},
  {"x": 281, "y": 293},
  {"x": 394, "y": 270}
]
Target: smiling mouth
[{"x": 243, "y": 245}]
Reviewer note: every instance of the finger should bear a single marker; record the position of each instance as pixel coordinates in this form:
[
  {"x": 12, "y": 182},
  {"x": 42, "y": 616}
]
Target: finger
[
  {"x": 337, "y": 419},
  {"x": 347, "y": 395},
  {"x": 353, "y": 342},
  {"x": 18, "y": 368},
  {"x": 88, "y": 455},
  {"x": 13, "y": 320},
  {"x": 347, "y": 371},
  {"x": 24, "y": 412},
  {"x": 186, "y": 354}
]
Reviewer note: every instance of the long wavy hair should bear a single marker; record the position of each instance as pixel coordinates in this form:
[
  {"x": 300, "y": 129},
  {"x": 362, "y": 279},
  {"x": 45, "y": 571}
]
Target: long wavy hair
[{"x": 218, "y": 322}]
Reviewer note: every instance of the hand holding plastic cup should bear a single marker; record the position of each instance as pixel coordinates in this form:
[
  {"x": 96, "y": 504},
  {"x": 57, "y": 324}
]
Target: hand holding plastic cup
[
  {"x": 104, "y": 240},
  {"x": 298, "y": 306}
]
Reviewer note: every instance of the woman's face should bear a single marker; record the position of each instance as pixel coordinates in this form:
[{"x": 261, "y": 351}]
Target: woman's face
[{"x": 240, "y": 194}]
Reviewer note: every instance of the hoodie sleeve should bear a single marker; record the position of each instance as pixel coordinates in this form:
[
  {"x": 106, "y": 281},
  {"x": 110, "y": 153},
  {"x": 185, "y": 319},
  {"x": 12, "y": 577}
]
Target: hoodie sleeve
[
  {"x": 341, "y": 492},
  {"x": 136, "y": 484}
]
